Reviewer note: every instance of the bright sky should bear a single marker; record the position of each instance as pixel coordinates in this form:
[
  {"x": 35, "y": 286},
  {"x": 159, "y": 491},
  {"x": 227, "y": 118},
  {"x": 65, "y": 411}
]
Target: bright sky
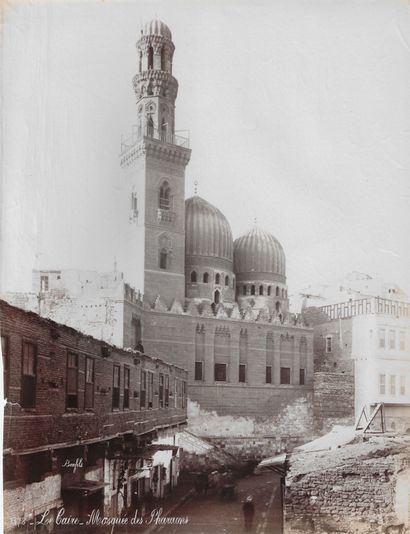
[{"x": 298, "y": 112}]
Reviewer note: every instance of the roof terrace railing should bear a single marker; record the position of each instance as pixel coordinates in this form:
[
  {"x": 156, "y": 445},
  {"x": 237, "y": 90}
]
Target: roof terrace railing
[{"x": 164, "y": 135}]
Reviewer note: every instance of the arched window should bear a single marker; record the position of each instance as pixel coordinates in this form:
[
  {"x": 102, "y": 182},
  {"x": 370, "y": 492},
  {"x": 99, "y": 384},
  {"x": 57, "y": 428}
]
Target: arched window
[
  {"x": 164, "y": 259},
  {"x": 163, "y": 130},
  {"x": 269, "y": 290},
  {"x": 227, "y": 280},
  {"x": 277, "y": 306},
  {"x": 283, "y": 292},
  {"x": 217, "y": 278},
  {"x": 252, "y": 290},
  {"x": 193, "y": 277},
  {"x": 217, "y": 297},
  {"x": 149, "y": 89},
  {"x": 260, "y": 290},
  {"x": 150, "y": 57},
  {"x": 244, "y": 290},
  {"x": 165, "y": 196},
  {"x": 140, "y": 63},
  {"x": 163, "y": 58},
  {"x": 205, "y": 278},
  {"x": 277, "y": 291},
  {"x": 150, "y": 127}
]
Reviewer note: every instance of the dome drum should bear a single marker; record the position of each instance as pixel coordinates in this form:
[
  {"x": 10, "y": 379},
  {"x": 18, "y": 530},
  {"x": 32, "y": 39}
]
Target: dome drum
[{"x": 203, "y": 282}]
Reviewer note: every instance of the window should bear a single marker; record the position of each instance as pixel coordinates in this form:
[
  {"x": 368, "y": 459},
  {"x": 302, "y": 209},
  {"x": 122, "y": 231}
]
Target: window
[
  {"x": 126, "y": 403},
  {"x": 165, "y": 196},
  {"x": 205, "y": 278},
  {"x": 283, "y": 293},
  {"x": 227, "y": 280},
  {"x": 134, "y": 206},
  {"x": 392, "y": 339},
  {"x": 116, "y": 388},
  {"x": 44, "y": 283},
  {"x": 199, "y": 371},
  {"x": 382, "y": 384},
  {"x": 150, "y": 127},
  {"x": 242, "y": 372},
  {"x": 161, "y": 390},
  {"x": 150, "y": 57},
  {"x": 162, "y": 58},
  {"x": 89, "y": 383},
  {"x": 183, "y": 394},
  {"x": 72, "y": 380},
  {"x": 392, "y": 384},
  {"x": 217, "y": 278},
  {"x": 163, "y": 259},
  {"x": 217, "y": 297},
  {"x": 277, "y": 306},
  {"x": 402, "y": 385},
  {"x": 277, "y": 291},
  {"x": 285, "y": 375},
  {"x": 328, "y": 344},
  {"x": 143, "y": 389},
  {"x": 220, "y": 372},
  {"x": 6, "y": 365},
  {"x": 193, "y": 277},
  {"x": 382, "y": 338},
  {"x": 301, "y": 377},
  {"x": 150, "y": 390},
  {"x": 252, "y": 290},
  {"x": 260, "y": 290},
  {"x": 29, "y": 375},
  {"x": 269, "y": 291},
  {"x": 402, "y": 340},
  {"x": 268, "y": 374},
  {"x": 166, "y": 400},
  {"x": 244, "y": 290}
]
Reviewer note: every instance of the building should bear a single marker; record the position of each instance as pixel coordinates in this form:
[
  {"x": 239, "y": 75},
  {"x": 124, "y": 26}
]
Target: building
[
  {"x": 101, "y": 305},
  {"x": 374, "y": 334},
  {"x": 87, "y": 426},
  {"x": 214, "y": 306}
]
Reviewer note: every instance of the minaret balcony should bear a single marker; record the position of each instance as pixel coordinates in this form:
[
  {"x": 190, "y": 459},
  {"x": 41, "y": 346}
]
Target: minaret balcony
[{"x": 153, "y": 133}]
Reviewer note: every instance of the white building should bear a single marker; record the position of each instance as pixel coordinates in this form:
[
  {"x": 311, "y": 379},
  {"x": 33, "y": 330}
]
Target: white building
[{"x": 375, "y": 333}]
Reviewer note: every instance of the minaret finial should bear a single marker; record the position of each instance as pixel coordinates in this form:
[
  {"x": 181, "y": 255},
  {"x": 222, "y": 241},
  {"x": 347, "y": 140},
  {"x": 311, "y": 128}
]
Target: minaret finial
[{"x": 196, "y": 187}]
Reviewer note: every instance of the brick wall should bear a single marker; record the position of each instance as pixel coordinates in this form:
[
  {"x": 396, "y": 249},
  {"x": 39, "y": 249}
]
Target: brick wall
[
  {"x": 50, "y": 421},
  {"x": 349, "y": 489}
]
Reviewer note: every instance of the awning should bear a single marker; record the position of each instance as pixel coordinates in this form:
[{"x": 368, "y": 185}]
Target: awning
[
  {"x": 274, "y": 463},
  {"x": 85, "y": 487},
  {"x": 146, "y": 453}
]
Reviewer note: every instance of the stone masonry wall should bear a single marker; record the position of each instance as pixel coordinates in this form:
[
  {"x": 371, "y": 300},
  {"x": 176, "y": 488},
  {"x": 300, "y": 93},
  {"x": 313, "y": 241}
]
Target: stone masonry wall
[{"x": 351, "y": 489}]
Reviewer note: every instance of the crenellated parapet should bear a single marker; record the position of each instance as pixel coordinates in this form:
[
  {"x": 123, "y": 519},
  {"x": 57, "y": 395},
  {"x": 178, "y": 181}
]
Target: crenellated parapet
[{"x": 227, "y": 312}]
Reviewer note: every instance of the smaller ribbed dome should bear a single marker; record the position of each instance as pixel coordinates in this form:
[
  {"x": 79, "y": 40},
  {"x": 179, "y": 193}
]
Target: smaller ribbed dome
[
  {"x": 259, "y": 252},
  {"x": 157, "y": 27},
  {"x": 207, "y": 231}
]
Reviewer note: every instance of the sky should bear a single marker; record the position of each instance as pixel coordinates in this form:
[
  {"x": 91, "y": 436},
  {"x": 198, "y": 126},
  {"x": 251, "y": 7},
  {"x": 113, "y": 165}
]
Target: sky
[{"x": 298, "y": 113}]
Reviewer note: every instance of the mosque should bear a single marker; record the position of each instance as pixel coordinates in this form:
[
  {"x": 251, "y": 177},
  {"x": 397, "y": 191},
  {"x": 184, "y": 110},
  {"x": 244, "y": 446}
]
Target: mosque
[{"x": 212, "y": 305}]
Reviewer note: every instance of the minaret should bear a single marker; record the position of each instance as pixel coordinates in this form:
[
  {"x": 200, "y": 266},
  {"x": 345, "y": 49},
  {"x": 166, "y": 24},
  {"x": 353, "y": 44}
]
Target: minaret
[{"x": 156, "y": 159}]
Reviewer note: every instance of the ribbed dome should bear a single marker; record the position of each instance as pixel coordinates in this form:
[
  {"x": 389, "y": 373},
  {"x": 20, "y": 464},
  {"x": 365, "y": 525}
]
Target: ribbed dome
[
  {"x": 156, "y": 27},
  {"x": 259, "y": 252},
  {"x": 207, "y": 231}
]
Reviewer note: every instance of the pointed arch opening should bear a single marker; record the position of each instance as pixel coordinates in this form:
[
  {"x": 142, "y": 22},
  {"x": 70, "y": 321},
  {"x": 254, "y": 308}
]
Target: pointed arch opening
[
  {"x": 253, "y": 290},
  {"x": 164, "y": 259},
  {"x": 217, "y": 278},
  {"x": 165, "y": 196},
  {"x": 205, "y": 278},
  {"x": 226, "y": 280},
  {"x": 244, "y": 290},
  {"x": 277, "y": 306},
  {"x": 260, "y": 290},
  {"x": 150, "y": 126},
  {"x": 163, "y": 64},
  {"x": 193, "y": 277},
  {"x": 150, "y": 57},
  {"x": 217, "y": 297},
  {"x": 277, "y": 291},
  {"x": 269, "y": 291}
]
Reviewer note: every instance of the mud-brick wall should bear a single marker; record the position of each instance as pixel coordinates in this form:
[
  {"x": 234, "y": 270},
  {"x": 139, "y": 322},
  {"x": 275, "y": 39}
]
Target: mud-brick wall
[
  {"x": 333, "y": 396},
  {"x": 357, "y": 488}
]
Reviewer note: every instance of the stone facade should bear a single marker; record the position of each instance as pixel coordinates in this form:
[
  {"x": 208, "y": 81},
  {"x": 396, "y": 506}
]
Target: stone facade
[{"x": 363, "y": 487}]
